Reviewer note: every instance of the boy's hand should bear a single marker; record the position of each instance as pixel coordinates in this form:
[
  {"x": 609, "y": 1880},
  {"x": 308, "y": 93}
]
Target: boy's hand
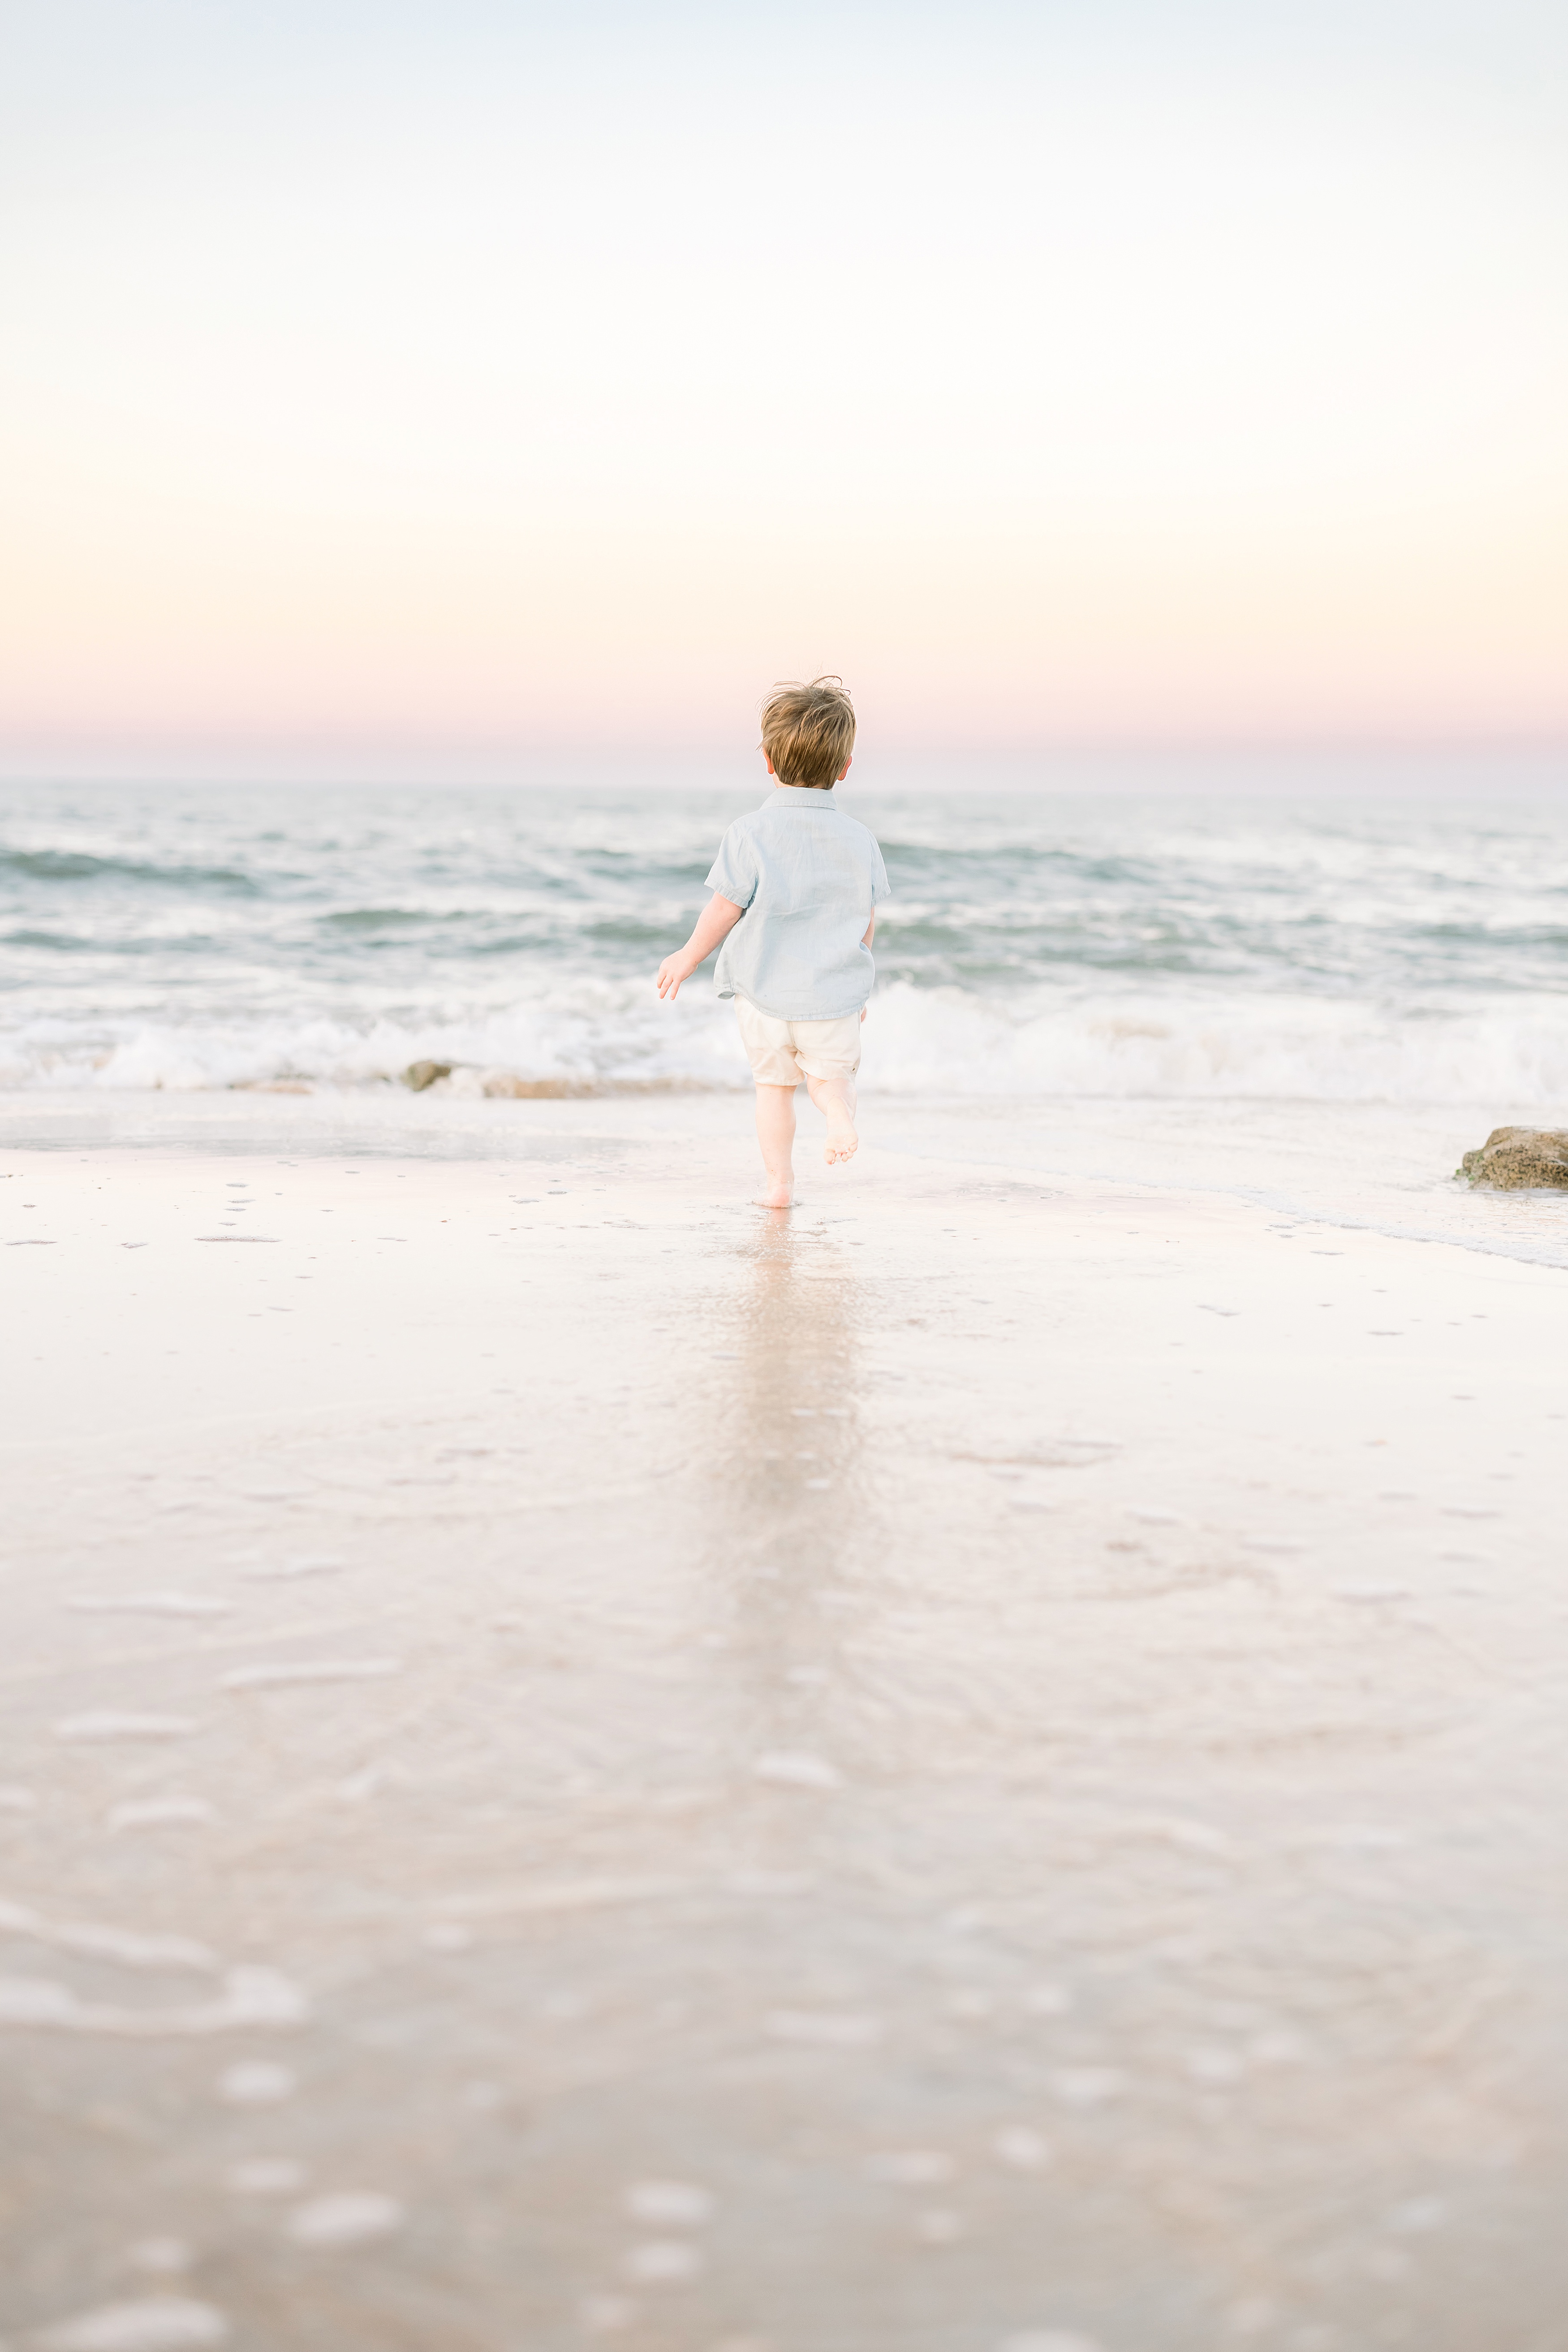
[
  {"x": 717, "y": 920},
  {"x": 674, "y": 970}
]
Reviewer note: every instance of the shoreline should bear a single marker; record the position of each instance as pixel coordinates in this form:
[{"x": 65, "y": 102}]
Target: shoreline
[{"x": 992, "y": 1727}]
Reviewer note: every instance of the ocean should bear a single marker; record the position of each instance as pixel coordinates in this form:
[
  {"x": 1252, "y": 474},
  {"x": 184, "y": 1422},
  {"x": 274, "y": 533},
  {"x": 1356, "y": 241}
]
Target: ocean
[{"x": 1329, "y": 949}]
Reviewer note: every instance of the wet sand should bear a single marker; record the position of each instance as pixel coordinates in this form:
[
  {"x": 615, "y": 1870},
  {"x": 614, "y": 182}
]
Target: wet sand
[{"x": 972, "y": 1765}]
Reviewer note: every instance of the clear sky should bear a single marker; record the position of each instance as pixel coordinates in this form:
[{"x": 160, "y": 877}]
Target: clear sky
[{"x": 407, "y": 389}]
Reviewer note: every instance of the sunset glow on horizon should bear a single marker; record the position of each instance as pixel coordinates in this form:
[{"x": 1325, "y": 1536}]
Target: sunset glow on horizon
[{"x": 432, "y": 387}]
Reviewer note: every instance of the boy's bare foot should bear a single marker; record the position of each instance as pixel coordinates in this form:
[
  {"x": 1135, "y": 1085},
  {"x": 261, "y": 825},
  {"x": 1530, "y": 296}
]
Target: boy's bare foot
[
  {"x": 777, "y": 1196},
  {"x": 842, "y": 1141}
]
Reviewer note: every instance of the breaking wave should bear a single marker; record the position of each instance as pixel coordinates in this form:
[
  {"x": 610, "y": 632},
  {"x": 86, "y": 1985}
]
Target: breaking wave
[{"x": 1034, "y": 946}]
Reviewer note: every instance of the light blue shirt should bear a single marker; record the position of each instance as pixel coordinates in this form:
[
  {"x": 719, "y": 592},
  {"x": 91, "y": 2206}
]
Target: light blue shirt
[{"x": 808, "y": 876}]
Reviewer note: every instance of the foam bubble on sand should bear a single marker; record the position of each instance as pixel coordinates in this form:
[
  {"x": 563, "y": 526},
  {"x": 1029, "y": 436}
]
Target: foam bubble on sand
[
  {"x": 669, "y": 2204},
  {"x": 940, "y": 2226},
  {"x": 791, "y": 1768},
  {"x": 1193, "y": 1837},
  {"x": 1418, "y": 2214},
  {"x": 160, "y": 1813},
  {"x": 829, "y": 2029},
  {"x": 110, "y": 1723},
  {"x": 1087, "y": 2086},
  {"x": 267, "y": 2176},
  {"x": 150, "y": 1604},
  {"x": 35, "y": 2000},
  {"x": 1214, "y": 2067},
  {"x": 1025, "y": 2150},
  {"x": 257, "y": 2082},
  {"x": 446, "y": 1935},
  {"x": 1361, "y": 1837},
  {"x": 770, "y": 1881},
  {"x": 910, "y": 2167},
  {"x": 312, "y": 1670},
  {"x": 136, "y": 1951},
  {"x": 603, "y": 2314},
  {"x": 305, "y": 1563},
  {"x": 663, "y": 2262},
  {"x": 159, "y": 2324},
  {"x": 351, "y": 2217},
  {"x": 126, "y": 1944},
  {"x": 1049, "y": 2339},
  {"x": 251, "y": 1997},
  {"x": 164, "y": 2257}
]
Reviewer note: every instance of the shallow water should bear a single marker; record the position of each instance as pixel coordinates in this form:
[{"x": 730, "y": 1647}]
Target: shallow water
[{"x": 964, "y": 1770}]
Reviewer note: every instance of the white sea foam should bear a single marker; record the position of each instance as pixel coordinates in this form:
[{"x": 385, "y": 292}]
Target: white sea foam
[{"x": 1171, "y": 1042}]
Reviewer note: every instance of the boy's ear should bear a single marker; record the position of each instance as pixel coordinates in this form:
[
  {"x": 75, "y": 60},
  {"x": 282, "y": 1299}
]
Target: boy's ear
[
  {"x": 844, "y": 770},
  {"x": 768, "y": 758}
]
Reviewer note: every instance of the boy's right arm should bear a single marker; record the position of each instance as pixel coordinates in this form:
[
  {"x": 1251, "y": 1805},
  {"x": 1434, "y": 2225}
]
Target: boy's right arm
[{"x": 714, "y": 925}]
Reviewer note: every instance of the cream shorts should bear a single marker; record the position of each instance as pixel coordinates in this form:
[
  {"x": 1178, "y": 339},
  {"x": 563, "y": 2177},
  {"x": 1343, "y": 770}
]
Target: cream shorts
[{"x": 781, "y": 1052}]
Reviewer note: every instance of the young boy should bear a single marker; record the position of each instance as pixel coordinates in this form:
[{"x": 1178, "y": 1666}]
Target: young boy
[{"x": 796, "y": 887}]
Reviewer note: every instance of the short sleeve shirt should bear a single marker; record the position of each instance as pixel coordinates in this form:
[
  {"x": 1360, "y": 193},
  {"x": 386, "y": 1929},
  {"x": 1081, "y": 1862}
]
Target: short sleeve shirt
[{"x": 808, "y": 876}]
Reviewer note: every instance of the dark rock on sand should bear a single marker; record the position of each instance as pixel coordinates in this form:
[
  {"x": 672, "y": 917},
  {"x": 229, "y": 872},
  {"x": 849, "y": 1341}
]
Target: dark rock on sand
[
  {"x": 1513, "y": 1157},
  {"x": 420, "y": 1074}
]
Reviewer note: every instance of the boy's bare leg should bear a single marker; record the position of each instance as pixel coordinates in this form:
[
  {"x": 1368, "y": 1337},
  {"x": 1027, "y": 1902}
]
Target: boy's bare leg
[
  {"x": 835, "y": 1098},
  {"x": 775, "y": 1133}
]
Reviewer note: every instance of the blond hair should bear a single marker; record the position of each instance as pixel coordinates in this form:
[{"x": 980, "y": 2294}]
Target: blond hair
[{"x": 808, "y": 731}]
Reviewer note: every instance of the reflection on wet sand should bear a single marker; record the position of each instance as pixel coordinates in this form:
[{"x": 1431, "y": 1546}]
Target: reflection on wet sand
[
  {"x": 784, "y": 1457},
  {"x": 880, "y": 1782}
]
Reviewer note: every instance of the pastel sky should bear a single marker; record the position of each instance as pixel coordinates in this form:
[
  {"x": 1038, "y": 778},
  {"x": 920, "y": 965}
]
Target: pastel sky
[{"x": 430, "y": 385}]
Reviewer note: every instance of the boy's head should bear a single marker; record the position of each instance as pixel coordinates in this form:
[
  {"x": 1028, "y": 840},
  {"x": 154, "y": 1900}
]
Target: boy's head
[{"x": 808, "y": 732}]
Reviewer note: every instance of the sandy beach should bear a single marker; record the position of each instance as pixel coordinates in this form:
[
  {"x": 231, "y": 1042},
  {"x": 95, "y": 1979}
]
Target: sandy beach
[{"x": 972, "y": 1766}]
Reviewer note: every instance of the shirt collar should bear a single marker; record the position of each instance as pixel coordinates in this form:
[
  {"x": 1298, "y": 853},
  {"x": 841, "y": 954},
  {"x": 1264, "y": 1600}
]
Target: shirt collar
[{"x": 799, "y": 796}]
